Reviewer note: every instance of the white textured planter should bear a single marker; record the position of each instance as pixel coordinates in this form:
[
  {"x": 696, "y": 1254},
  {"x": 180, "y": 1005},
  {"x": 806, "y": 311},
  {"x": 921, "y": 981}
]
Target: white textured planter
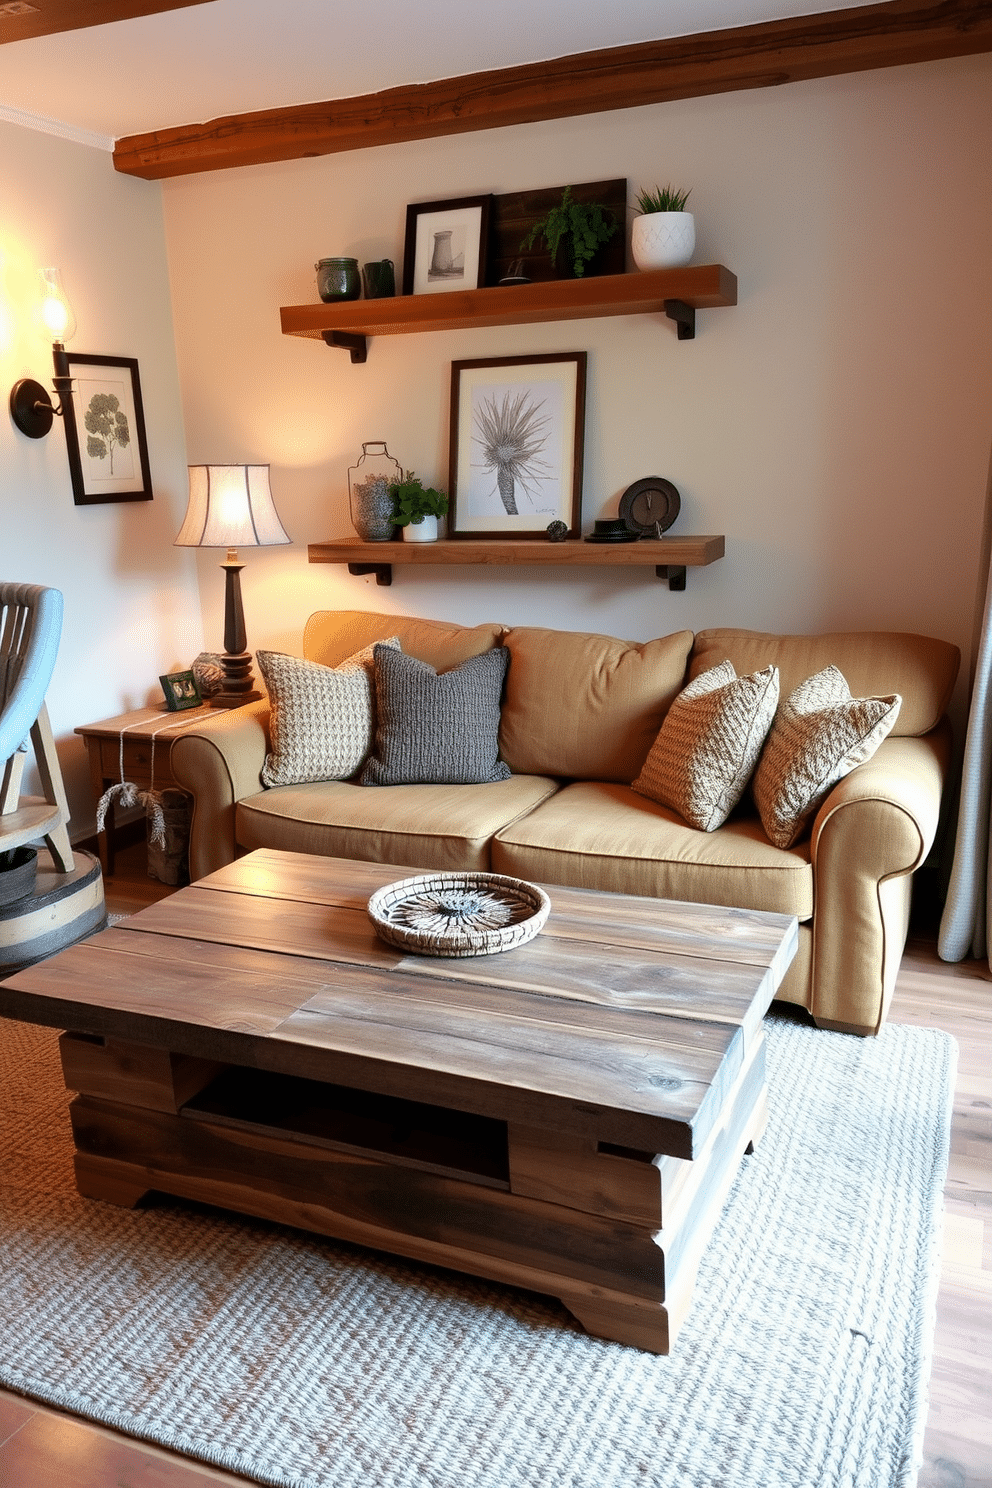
[
  {"x": 424, "y": 531},
  {"x": 663, "y": 240}
]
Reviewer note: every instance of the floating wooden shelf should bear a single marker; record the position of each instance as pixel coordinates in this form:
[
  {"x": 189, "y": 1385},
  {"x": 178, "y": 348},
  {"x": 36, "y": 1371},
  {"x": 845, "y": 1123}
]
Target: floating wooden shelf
[
  {"x": 668, "y": 556},
  {"x": 677, "y": 293}
]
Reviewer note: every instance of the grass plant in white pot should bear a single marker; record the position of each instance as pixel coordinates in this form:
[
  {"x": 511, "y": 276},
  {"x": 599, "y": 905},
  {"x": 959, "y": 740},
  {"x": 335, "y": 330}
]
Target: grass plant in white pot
[
  {"x": 416, "y": 508},
  {"x": 664, "y": 237}
]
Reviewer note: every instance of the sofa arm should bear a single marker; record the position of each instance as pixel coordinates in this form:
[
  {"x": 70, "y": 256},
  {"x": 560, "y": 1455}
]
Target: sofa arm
[
  {"x": 872, "y": 832},
  {"x": 220, "y": 762}
]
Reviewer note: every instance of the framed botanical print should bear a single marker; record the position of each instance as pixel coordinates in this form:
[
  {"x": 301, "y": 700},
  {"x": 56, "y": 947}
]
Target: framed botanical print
[
  {"x": 446, "y": 245},
  {"x": 515, "y": 463},
  {"x": 105, "y": 431}
]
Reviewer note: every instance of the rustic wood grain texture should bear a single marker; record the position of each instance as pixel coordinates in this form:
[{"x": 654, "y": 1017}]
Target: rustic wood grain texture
[
  {"x": 55, "y": 16},
  {"x": 514, "y": 213},
  {"x": 734, "y": 935},
  {"x": 133, "y": 1073},
  {"x": 703, "y": 286},
  {"x": 929, "y": 992},
  {"x": 637, "y": 1049},
  {"x": 580, "y": 1035},
  {"x": 372, "y": 1202},
  {"x": 52, "y": 1450},
  {"x": 687, "y": 551},
  {"x": 658, "y": 1190},
  {"x": 759, "y": 56}
]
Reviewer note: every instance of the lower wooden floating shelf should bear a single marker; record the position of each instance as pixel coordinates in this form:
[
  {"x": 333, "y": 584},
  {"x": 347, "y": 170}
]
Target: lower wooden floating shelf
[{"x": 668, "y": 556}]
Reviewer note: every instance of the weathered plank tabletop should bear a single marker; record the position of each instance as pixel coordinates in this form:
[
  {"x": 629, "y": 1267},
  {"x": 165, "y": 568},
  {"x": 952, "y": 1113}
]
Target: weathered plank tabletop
[{"x": 618, "y": 1057}]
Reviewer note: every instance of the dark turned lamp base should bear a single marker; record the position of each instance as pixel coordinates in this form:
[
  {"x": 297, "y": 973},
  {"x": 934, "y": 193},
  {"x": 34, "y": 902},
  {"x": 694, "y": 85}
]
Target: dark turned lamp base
[{"x": 238, "y": 686}]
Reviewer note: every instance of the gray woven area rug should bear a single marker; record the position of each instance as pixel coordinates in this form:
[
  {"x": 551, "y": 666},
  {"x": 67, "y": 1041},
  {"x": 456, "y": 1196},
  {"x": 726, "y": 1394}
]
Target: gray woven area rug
[{"x": 299, "y": 1361}]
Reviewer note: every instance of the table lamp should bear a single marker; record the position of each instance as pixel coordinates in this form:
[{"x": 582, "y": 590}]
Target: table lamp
[{"x": 230, "y": 506}]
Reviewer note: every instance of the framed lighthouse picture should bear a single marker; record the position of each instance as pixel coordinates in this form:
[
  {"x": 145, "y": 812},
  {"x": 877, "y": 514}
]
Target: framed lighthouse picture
[{"x": 447, "y": 244}]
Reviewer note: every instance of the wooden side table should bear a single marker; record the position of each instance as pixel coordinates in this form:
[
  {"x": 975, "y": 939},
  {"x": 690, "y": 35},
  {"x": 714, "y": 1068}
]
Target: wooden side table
[{"x": 103, "y": 748}]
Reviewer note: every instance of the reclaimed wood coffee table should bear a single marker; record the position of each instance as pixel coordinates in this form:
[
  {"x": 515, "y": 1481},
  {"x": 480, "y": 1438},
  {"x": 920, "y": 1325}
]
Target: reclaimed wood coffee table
[{"x": 567, "y": 1116}]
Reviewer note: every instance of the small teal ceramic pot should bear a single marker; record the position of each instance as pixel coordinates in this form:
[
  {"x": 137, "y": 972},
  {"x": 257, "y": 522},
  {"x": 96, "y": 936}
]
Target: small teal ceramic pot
[{"x": 338, "y": 279}]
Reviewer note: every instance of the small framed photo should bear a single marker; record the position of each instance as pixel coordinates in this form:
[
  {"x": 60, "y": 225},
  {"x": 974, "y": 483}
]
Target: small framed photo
[
  {"x": 180, "y": 691},
  {"x": 515, "y": 461},
  {"x": 105, "y": 431},
  {"x": 447, "y": 244}
]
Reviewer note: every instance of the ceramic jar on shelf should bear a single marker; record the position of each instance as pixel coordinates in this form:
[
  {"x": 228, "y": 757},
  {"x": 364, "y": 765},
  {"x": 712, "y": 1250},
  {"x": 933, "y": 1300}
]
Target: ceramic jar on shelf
[
  {"x": 368, "y": 492},
  {"x": 338, "y": 279}
]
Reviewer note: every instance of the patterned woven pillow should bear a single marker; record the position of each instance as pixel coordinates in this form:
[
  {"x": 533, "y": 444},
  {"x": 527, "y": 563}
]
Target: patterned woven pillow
[
  {"x": 709, "y": 743},
  {"x": 819, "y": 736},
  {"x": 436, "y": 728},
  {"x": 320, "y": 719}
]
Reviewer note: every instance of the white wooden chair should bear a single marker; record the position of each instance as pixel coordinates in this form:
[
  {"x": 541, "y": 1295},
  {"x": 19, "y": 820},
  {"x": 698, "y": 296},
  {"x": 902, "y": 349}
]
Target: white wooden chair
[{"x": 30, "y": 629}]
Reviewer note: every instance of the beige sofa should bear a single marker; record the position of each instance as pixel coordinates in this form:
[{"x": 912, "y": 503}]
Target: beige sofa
[{"x": 579, "y": 714}]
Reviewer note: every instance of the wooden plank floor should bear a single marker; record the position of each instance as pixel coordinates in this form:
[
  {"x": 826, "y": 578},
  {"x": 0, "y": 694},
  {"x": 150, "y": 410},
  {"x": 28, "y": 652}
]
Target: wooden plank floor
[{"x": 43, "y": 1448}]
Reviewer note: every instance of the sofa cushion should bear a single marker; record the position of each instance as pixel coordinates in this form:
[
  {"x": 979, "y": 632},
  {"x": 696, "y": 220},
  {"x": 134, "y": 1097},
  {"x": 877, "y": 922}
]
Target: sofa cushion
[
  {"x": 820, "y": 735},
  {"x": 605, "y": 836},
  {"x": 434, "y": 728},
  {"x": 332, "y": 635},
  {"x": 708, "y": 744},
  {"x": 418, "y": 826},
  {"x": 922, "y": 670},
  {"x": 586, "y": 706},
  {"x": 320, "y": 718}
]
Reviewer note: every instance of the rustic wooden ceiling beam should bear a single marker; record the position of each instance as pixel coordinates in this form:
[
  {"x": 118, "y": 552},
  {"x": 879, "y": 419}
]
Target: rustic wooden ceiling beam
[
  {"x": 50, "y": 17},
  {"x": 884, "y": 35}
]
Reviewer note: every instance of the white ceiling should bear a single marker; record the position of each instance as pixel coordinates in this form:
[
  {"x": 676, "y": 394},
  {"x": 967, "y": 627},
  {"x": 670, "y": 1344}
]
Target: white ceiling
[{"x": 233, "y": 56}]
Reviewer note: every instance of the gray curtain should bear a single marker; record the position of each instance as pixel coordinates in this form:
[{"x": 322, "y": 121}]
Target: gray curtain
[{"x": 966, "y": 924}]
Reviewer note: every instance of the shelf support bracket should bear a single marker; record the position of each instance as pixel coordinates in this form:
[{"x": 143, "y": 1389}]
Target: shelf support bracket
[
  {"x": 675, "y": 574},
  {"x": 357, "y": 345},
  {"x": 383, "y": 572},
  {"x": 684, "y": 316}
]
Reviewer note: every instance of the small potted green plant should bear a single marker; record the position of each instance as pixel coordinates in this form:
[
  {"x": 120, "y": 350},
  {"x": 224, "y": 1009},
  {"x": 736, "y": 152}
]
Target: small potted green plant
[
  {"x": 578, "y": 228},
  {"x": 664, "y": 236},
  {"x": 416, "y": 508}
]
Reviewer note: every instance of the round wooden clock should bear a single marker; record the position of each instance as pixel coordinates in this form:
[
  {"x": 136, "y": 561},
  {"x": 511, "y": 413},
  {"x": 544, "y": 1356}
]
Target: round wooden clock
[{"x": 650, "y": 506}]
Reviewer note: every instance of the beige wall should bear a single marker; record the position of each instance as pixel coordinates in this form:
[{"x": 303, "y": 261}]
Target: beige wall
[
  {"x": 131, "y": 606},
  {"x": 835, "y": 425}
]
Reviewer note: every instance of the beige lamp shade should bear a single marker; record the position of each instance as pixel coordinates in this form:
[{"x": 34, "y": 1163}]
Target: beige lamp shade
[{"x": 230, "y": 506}]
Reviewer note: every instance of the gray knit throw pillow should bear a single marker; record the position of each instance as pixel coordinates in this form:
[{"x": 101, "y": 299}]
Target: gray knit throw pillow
[{"x": 436, "y": 729}]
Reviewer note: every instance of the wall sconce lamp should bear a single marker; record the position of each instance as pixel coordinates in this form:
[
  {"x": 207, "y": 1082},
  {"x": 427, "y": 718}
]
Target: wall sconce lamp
[
  {"x": 30, "y": 406},
  {"x": 231, "y": 506}
]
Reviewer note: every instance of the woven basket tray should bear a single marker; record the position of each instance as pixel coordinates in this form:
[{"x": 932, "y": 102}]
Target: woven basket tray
[{"x": 458, "y": 914}]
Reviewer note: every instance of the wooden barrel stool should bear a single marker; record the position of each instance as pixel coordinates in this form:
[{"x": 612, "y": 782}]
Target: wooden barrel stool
[{"x": 62, "y": 908}]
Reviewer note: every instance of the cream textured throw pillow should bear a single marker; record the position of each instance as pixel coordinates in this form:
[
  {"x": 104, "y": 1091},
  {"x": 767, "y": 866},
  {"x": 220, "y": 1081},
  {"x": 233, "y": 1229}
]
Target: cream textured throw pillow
[
  {"x": 320, "y": 720},
  {"x": 819, "y": 736},
  {"x": 709, "y": 743}
]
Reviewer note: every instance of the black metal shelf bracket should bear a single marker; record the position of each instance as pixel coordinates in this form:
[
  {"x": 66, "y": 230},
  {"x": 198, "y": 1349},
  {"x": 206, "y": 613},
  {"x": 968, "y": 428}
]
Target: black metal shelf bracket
[
  {"x": 383, "y": 572},
  {"x": 357, "y": 345},
  {"x": 684, "y": 316},
  {"x": 674, "y": 573}
]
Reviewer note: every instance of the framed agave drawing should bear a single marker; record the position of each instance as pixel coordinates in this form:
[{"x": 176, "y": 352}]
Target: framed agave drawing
[{"x": 517, "y": 427}]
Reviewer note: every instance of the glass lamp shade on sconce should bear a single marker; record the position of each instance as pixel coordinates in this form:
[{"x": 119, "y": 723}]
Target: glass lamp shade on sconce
[
  {"x": 31, "y": 407},
  {"x": 231, "y": 506}
]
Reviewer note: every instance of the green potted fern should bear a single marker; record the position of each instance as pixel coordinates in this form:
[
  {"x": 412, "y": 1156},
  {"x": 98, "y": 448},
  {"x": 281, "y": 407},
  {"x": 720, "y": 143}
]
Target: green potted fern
[
  {"x": 416, "y": 508},
  {"x": 664, "y": 236},
  {"x": 577, "y": 229}
]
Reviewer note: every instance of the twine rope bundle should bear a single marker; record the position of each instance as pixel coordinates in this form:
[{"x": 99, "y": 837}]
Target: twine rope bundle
[{"x": 129, "y": 794}]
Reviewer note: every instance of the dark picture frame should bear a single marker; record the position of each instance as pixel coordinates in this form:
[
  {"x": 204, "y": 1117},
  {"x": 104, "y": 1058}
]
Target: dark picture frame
[
  {"x": 534, "y": 405},
  {"x": 181, "y": 691},
  {"x": 108, "y": 448},
  {"x": 447, "y": 245}
]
